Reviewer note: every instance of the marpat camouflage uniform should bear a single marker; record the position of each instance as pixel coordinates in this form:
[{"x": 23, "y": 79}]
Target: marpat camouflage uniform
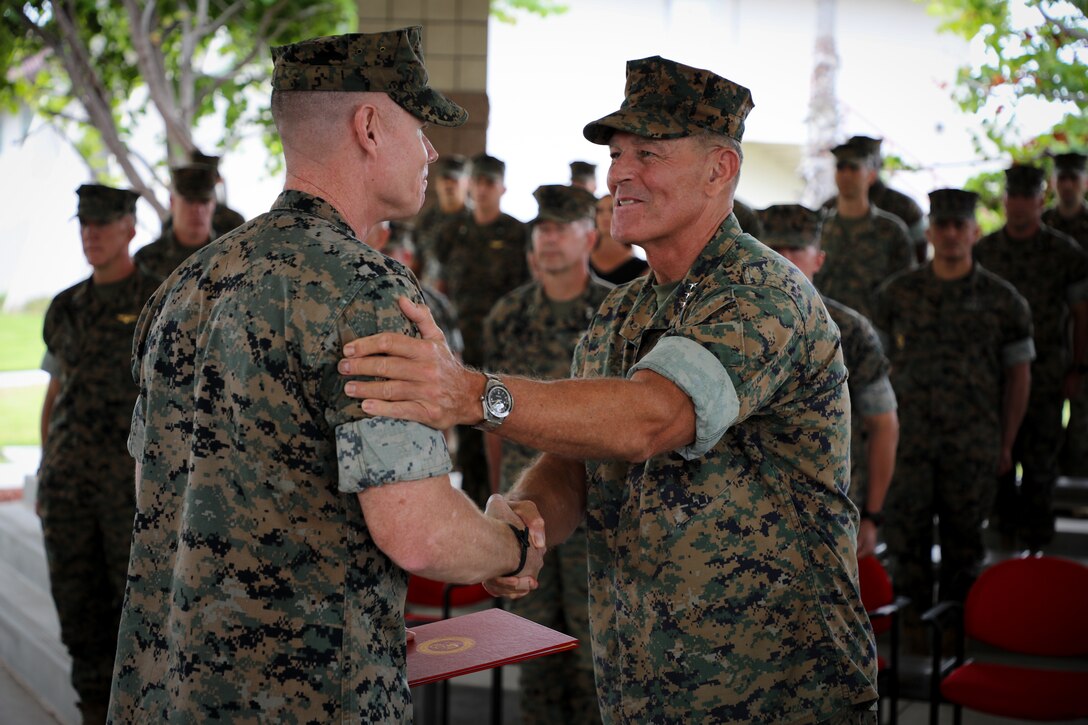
[
  {"x": 280, "y": 608},
  {"x": 165, "y": 254},
  {"x": 870, "y": 389},
  {"x": 862, "y": 253},
  {"x": 528, "y": 335},
  {"x": 1051, "y": 272},
  {"x": 429, "y": 224},
  {"x": 85, "y": 482},
  {"x": 1074, "y": 454},
  {"x": 950, "y": 342},
  {"x": 898, "y": 205},
  {"x": 723, "y": 582}
]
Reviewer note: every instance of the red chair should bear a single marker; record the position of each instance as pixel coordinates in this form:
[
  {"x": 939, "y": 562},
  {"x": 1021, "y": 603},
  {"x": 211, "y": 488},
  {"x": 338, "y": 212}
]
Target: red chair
[
  {"x": 1036, "y": 606},
  {"x": 423, "y": 592},
  {"x": 882, "y": 606}
]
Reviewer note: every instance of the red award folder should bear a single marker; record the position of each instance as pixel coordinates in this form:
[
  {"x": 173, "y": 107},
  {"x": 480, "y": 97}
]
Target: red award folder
[{"x": 478, "y": 641}]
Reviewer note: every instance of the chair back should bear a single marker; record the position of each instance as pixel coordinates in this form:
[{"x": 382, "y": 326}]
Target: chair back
[
  {"x": 424, "y": 592},
  {"x": 876, "y": 590},
  {"x": 1034, "y": 605}
]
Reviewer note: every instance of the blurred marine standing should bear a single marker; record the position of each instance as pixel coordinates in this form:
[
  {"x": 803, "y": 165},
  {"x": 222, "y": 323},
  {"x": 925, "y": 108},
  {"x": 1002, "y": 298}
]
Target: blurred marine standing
[{"x": 85, "y": 492}]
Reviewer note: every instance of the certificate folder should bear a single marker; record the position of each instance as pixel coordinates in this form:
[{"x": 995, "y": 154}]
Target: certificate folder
[{"x": 478, "y": 641}]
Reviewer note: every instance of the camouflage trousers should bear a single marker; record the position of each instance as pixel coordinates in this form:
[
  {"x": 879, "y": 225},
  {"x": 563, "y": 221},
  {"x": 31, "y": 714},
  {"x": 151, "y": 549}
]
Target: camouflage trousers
[
  {"x": 1074, "y": 455},
  {"x": 1026, "y": 510},
  {"x": 955, "y": 485},
  {"x": 559, "y": 689},
  {"x": 864, "y": 714},
  {"x": 87, "y": 529}
]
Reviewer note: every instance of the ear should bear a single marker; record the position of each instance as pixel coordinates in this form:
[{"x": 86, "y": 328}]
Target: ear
[
  {"x": 367, "y": 126},
  {"x": 592, "y": 237},
  {"x": 818, "y": 263},
  {"x": 724, "y": 166}
]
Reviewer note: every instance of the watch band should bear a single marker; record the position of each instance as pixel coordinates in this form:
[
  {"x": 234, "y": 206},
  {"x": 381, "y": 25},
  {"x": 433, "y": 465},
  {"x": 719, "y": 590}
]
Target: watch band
[
  {"x": 875, "y": 516},
  {"x": 522, "y": 535}
]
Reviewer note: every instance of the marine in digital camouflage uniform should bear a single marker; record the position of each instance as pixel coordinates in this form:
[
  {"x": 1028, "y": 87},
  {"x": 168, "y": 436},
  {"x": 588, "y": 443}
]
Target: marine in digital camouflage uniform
[
  {"x": 224, "y": 219},
  {"x": 960, "y": 340},
  {"x": 533, "y": 331},
  {"x": 479, "y": 259},
  {"x": 451, "y": 191},
  {"x": 1051, "y": 272},
  {"x": 266, "y": 580},
  {"x": 85, "y": 491},
  {"x": 864, "y": 245},
  {"x": 1069, "y": 215},
  {"x": 707, "y": 445},
  {"x": 382, "y": 238},
  {"x": 892, "y": 201},
  {"x": 794, "y": 232},
  {"x": 192, "y": 205}
]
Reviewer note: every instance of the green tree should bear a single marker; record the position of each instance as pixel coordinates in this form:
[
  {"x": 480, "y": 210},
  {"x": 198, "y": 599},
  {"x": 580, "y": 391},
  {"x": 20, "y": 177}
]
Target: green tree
[
  {"x": 97, "y": 69},
  {"x": 1034, "y": 49}
]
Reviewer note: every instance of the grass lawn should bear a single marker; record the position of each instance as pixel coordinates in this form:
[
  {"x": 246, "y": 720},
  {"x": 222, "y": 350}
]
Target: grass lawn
[
  {"x": 20, "y": 415},
  {"x": 21, "y": 346}
]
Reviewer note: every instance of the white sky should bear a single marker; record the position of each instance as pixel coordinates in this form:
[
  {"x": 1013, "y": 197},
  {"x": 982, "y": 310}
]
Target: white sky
[{"x": 549, "y": 77}]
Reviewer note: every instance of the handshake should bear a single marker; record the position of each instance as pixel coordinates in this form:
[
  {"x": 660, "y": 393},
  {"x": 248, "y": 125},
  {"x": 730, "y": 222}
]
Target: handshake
[{"x": 528, "y": 529}]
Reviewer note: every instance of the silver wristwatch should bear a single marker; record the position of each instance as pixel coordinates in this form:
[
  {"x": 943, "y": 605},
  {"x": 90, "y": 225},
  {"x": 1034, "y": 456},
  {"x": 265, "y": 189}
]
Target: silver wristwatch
[{"x": 497, "y": 403}]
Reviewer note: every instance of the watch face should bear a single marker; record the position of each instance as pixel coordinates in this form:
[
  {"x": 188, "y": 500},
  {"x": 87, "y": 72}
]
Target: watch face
[{"x": 498, "y": 402}]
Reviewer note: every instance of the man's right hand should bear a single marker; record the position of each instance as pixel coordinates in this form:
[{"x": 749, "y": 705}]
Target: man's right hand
[
  {"x": 518, "y": 513},
  {"x": 420, "y": 379}
]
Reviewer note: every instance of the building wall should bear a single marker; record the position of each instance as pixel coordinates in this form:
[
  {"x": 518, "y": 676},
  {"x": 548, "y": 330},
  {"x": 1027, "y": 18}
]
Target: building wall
[{"x": 455, "y": 50}]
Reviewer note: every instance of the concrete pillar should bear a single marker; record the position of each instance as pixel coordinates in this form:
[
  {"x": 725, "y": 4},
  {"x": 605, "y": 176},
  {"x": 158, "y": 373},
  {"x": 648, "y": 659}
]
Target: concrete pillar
[{"x": 455, "y": 50}]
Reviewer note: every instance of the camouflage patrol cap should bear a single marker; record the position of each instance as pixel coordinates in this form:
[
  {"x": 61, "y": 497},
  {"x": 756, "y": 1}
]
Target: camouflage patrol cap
[
  {"x": 1070, "y": 162},
  {"x": 564, "y": 204},
  {"x": 952, "y": 204},
  {"x": 451, "y": 166},
  {"x": 195, "y": 182},
  {"x": 489, "y": 166},
  {"x": 103, "y": 204},
  {"x": 790, "y": 226},
  {"x": 196, "y": 156},
  {"x": 582, "y": 169},
  {"x": 664, "y": 99},
  {"x": 390, "y": 62},
  {"x": 859, "y": 148},
  {"x": 1024, "y": 180}
]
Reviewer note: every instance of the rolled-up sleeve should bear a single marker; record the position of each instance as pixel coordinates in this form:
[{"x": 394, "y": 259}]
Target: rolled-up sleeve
[
  {"x": 1018, "y": 352},
  {"x": 701, "y": 376},
  {"x": 375, "y": 451}
]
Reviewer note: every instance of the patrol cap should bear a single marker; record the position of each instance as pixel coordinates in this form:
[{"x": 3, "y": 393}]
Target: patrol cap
[
  {"x": 665, "y": 99},
  {"x": 198, "y": 157},
  {"x": 858, "y": 149},
  {"x": 451, "y": 166},
  {"x": 952, "y": 204},
  {"x": 1024, "y": 180},
  {"x": 103, "y": 204},
  {"x": 790, "y": 226},
  {"x": 1071, "y": 162},
  {"x": 564, "y": 204},
  {"x": 195, "y": 181},
  {"x": 390, "y": 62},
  {"x": 582, "y": 169},
  {"x": 489, "y": 166}
]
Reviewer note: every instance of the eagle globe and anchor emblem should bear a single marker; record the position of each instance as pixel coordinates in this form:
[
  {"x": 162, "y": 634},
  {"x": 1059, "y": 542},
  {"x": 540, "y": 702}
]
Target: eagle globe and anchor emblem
[{"x": 446, "y": 645}]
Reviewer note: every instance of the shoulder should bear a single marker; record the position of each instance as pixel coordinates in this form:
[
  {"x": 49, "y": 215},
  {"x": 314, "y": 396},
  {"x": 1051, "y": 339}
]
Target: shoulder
[
  {"x": 513, "y": 303},
  {"x": 998, "y": 287},
  {"x": 888, "y": 221}
]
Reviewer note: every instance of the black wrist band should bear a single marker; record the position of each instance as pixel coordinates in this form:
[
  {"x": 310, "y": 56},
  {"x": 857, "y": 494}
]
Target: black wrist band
[
  {"x": 876, "y": 517},
  {"x": 522, "y": 535}
]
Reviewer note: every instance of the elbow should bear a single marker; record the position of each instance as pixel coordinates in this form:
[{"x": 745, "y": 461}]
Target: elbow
[{"x": 413, "y": 551}]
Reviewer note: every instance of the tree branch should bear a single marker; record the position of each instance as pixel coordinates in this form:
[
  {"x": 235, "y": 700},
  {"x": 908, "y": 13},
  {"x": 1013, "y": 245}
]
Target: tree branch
[
  {"x": 1074, "y": 31},
  {"x": 153, "y": 70},
  {"x": 89, "y": 89}
]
